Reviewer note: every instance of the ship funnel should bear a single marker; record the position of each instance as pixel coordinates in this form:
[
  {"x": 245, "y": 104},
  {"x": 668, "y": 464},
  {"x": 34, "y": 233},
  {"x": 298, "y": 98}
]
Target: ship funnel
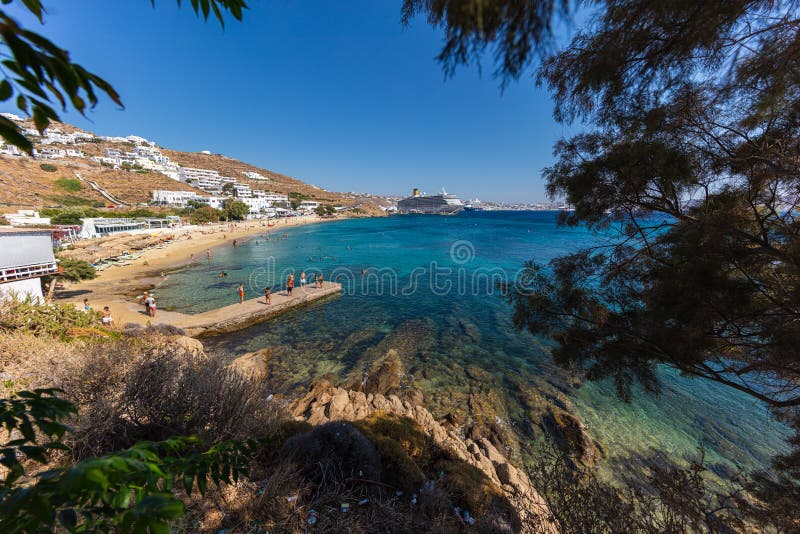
[{"x": 416, "y": 192}]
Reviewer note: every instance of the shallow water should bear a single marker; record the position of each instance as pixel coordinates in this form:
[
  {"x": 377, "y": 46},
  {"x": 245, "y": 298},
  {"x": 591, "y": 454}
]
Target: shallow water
[{"x": 429, "y": 293}]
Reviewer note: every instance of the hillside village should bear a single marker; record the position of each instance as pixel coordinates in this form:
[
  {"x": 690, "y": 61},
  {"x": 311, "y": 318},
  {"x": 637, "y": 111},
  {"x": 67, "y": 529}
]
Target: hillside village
[{"x": 135, "y": 171}]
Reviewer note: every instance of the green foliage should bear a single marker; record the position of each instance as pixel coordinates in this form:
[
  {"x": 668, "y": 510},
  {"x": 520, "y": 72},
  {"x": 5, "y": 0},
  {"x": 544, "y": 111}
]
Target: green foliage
[
  {"x": 514, "y": 31},
  {"x": 205, "y": 214},
  {"x": 54, "y": 319},
  {"x": 235, "y": 210},
  {"x": 324, "y": 210},
  {"x": 130, "y": 490},
  {"x": 67, "y": 217},
  {"x": 76, "y": 270},
  {"x": 48, "y": 167},
  {"x": 71, "y": 185},
  {"x": 38, "y": 74}
]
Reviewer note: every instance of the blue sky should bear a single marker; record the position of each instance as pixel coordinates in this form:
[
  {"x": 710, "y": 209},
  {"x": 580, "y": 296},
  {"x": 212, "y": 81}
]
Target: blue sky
[{"x": 338, "y": 94}]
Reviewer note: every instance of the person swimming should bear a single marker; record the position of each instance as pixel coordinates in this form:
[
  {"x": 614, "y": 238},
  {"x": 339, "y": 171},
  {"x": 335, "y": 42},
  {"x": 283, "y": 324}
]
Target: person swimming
[{"x": 223, "y": 274}]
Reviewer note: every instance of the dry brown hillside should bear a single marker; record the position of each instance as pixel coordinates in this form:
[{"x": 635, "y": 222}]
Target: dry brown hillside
[{"x": 25, "y": 184}]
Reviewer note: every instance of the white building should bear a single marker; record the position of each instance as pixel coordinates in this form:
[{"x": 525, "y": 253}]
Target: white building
[
  {"x": 136, "y": 140},
  {"x": 27, "y": 256},
  {"x": 211, "y": 201},
  {"x": 12, "y": 117},
  {"x": 188, "y": 173},
  {"x": 75, "y": 154},
  {"x": 255, "y": 176},
  {"x": 242, "y": 190},
  {"x": 10, "y": 150},
  {"x": 26, "y": 218},
  {"x": 173, "y": 198},
  {"x": 308, "y": 205},
  {"x": 113, "y": 153},
  {"x": 49, "y": 153}
]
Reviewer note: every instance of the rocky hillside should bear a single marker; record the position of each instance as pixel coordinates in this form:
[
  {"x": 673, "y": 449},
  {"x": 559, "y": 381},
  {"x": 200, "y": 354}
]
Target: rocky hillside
[{"x": 33, "y": 183}]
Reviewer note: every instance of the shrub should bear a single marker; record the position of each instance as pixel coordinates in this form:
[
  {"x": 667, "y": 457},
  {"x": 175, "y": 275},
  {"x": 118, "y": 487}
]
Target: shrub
[
  {"x": 204, "y": 215},
  {"x": 128, "y": 491},
  {"x": 76, "y": 270},
  {"x": 48, "y": 167},
  {"x": 150, "y": 388},
  {"x": 54, "y": 320},
  {"x": 71, "y": 185},
  {"x": 67, "y": 217}
]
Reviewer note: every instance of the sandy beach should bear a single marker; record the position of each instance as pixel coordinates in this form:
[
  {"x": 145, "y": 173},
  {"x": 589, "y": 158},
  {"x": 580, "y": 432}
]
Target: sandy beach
[{"x": 117, "y": 286}]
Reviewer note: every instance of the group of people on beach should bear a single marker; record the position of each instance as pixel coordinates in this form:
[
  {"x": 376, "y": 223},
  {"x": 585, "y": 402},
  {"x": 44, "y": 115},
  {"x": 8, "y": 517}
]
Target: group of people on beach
[
  {"x": 319, "y": 279},
  {"x": 105, "y": 316}
]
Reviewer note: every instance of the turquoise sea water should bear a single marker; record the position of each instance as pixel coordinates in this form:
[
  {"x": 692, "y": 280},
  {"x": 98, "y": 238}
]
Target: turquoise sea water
[{"x": 429, "y": 294}]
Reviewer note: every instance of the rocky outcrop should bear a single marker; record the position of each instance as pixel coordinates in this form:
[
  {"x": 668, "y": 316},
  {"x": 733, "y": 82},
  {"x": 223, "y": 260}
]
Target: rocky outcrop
[
  {"x": 324, "y": 403},
  {"x": 572, "y": 437},
  {"x": 253, "y": 364}
]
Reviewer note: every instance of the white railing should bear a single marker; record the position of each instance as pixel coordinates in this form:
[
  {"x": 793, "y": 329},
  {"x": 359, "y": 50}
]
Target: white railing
[{"x": 7, "y": 274}]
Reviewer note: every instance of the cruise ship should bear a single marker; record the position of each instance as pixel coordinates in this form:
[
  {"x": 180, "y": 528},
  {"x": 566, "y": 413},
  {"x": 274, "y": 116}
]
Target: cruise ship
[{"x": 442, "y": 204}]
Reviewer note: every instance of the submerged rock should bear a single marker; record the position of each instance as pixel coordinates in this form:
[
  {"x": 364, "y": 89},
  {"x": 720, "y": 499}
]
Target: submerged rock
[{"x": 572, "y": 437}]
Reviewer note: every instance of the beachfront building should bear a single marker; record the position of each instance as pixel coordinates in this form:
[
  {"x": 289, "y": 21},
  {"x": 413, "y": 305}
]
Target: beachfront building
[
  {"x": 100, "y": 226},
  {"x": 178, "y": 199},
  {"x": 75, "y": 153},
  {"x": 275, "y": 198},
  {"x": 308, "y": 205},
  {"x": 212, "y": 201},
  {"x": 27, "y": 256},
  {"x": 26, "y": 218}
]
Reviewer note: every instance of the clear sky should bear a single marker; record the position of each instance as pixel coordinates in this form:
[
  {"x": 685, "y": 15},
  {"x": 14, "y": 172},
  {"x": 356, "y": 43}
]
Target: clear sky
[{"x": 338, "y": 94}]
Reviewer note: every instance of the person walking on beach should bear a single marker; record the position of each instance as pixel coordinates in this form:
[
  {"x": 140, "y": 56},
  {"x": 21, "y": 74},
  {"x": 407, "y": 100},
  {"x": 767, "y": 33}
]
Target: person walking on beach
[
  {"x": 146, "y": 302},
  {"x": 302, "y": 280},
  {"x": 106, "y": 319},
  {"x": 234, "y": 243},
  {"x": 290, "y": 285},
  {"x": 150, "y": 303},
  {"x": 208, "y": 255},
  {"x": 241, "y": 293},
  {"x": 268, "y": 295}
]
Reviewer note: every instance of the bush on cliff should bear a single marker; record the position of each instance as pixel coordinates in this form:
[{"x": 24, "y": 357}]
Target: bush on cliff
[
  {"x": 130, "y": 490},
  {"x": 53, "y": 320}
]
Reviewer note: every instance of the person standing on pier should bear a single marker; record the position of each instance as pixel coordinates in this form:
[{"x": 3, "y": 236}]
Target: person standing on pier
[
  {"x": 241, "y": 293},
  {"x": 302, "y": 280},
  {"x": 290, "y": 285},
  {"x": 268, "y": 295}
]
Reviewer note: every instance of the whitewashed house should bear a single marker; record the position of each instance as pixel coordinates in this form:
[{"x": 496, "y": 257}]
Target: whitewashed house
[
  {"x": 173, "y": 198},
  {"x": 27, "y": 256}
]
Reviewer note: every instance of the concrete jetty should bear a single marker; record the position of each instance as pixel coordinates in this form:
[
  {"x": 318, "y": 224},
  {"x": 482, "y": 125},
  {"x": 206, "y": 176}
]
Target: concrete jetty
[{"x": 238, "y": 316}]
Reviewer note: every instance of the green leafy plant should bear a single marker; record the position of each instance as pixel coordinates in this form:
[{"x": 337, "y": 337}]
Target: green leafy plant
[
  {"x": 204, "y": 215},
  {"x": 235, "y": 210},
  {"x": 76, "y": 270},
  {"x": 130, "y": 490},
  {"x": 48, "y": 167}
]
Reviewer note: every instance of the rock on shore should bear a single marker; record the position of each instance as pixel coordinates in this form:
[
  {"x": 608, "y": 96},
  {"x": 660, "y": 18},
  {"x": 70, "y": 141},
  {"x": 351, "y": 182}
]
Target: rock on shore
[{"x": 324, "y": 403}]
